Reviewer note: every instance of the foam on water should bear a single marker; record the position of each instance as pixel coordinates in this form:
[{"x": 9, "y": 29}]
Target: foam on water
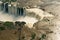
[
  {"x": 29, "y": 20},
  {"x": 8, "y": 17},
  {"x": 5, "y": 17}
]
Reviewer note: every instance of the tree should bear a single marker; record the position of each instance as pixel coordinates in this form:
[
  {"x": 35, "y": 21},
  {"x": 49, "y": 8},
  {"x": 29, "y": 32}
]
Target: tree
[
  {"x": 21, "y": 25},
  {"x": 2, "y": 28}
]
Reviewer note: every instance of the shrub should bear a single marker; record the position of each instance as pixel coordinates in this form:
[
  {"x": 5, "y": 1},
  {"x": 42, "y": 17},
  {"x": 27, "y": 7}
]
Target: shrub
[
  {"x": 20, "y": 23},
  {"x": 42, "y": 37},
  {"x": 9, "y": 25},
  {"x": 33, "y": 36},
  {"x": 2, "y": 28}
]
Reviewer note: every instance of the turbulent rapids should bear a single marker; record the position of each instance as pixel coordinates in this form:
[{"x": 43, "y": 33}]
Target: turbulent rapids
[
  {"x": 30, "y": 16},
  {"x": 46, "y": 16}
]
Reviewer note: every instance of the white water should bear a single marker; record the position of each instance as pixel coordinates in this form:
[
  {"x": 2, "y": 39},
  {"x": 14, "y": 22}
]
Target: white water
[
  {"x": 8, "y": 17},
  {"x": 29, "y": 20},
  {"x": 41, "y": 14},
  {"x": 5, "y": 17}
]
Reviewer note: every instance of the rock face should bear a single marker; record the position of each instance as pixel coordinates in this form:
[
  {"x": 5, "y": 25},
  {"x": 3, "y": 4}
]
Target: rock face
[
  {"x": 40, "y": 31},
  {"x": 45, "y": 27},
  {"x": 54, "y": 8}
]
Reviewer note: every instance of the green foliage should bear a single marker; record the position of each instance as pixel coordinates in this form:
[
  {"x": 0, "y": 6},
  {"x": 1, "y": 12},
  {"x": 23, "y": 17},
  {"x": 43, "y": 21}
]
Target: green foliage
[
  {"x": 6, "y": 0},
  {"x": 33, "y": 36},
  {"x": 9, "y": 0},
  {"x": 13, "y": 0},
  {"x": 9, "y": 25},
  {"x": 39, "y": 38},
  {"x": 2, "y": 28},
  {"x": 42, "y": 37},
  {"x": 20, "y": 23}
]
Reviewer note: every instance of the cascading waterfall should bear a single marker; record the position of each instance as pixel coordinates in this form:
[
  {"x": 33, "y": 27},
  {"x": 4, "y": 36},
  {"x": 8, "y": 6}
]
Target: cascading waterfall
[
  {"x": 1, "y": 5},
  {"x": 6, "y": 7},
  {"x": 14, "y": 14},
  {"x": 12, "y": 9}
]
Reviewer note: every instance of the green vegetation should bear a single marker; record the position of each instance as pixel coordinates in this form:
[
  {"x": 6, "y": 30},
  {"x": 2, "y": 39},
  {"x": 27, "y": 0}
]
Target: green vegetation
[
  {"x": 9, "y": 25},
  {"x": 17, "y": 23},
  {"x": 9, "y": 0},
  {"x": 20, "y": 23},
  {"x": 33, "y": 36},
  {"x": 42, "y": 37},
  {"x": 13, "y": 0},
  {"x": 2, "y": 28}
]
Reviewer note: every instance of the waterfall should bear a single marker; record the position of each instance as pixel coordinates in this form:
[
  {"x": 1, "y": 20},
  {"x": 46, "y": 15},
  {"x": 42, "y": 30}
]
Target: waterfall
[
  {"x": 21, "y": 11},
  {"x": 9, "y": 9},
  {"x": 1, "y": 5},
  {"x": 6, "y": 7},
  {"x": 14, "y": 10}
]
